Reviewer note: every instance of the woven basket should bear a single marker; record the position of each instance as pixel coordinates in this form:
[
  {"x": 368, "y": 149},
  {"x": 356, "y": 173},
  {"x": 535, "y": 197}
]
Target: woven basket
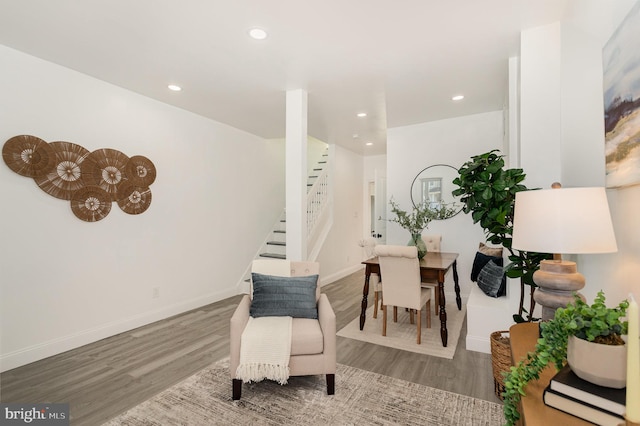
[{"x": 500, "y": 359}]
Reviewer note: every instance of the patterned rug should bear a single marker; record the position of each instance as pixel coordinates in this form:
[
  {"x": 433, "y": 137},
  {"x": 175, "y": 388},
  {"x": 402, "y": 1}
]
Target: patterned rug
[
  {"x": 402, "y": 335},
  {"x": 362, "y": 398}
]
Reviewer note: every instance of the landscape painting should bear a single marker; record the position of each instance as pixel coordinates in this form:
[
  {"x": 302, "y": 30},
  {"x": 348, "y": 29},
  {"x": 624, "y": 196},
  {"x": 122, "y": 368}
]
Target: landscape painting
[{"x": 621, "y": 63}]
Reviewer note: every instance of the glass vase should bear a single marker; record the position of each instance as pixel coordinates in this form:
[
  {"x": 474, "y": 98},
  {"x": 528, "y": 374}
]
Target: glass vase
[{"x": 416, "y": 240}]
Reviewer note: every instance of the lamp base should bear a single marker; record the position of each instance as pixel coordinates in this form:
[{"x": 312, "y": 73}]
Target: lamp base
[{"x": 557, "y": 280}]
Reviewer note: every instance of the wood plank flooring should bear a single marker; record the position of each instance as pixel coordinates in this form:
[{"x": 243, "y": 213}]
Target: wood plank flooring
[{"x": 106, "y": 378}]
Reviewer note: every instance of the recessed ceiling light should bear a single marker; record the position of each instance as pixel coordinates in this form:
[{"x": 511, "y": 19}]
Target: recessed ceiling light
[
  {"x": 356, "y": 136},
  {"x": 174, "y": 87},
  {"x": 362, "y": 114},
  {"x": 369, "y": 143},
  {"x": 457, "y": 97},
  {"x": 257, "y": 33}
]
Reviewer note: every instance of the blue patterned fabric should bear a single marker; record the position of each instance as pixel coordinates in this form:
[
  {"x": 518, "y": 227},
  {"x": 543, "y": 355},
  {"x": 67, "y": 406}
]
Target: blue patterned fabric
[
  {"x": 480, "y": 261},
  {"x": 284, "y": 296},
  {"x": 492, "y": 280}
]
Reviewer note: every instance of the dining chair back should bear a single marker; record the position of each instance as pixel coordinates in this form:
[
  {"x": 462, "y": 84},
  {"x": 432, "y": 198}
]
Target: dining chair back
[
  {"x": 433, "y": 242},
  {"x": 400, "y": 276}
]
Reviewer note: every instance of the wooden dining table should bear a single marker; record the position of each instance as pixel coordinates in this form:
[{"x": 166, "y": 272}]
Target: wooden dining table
[{"x": 434, "y": 266}]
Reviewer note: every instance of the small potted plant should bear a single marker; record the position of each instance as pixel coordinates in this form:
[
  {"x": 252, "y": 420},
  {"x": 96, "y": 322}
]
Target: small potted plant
[
  {"x": 419, "y": 219},
  {"x": 592, "y": 324}
]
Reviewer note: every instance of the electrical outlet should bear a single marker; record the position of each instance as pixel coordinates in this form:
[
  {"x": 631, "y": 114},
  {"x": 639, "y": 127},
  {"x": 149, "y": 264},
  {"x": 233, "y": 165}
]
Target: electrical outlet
[{"x": 156, "y": 293}]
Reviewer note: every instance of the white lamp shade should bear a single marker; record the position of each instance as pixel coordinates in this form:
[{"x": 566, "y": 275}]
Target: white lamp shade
[{"x": 563, "y": 220}]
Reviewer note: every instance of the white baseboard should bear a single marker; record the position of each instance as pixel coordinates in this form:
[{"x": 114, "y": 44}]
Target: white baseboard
[
  {"x": 43, "y": 350},
  {"x": 340, "y": 274}
]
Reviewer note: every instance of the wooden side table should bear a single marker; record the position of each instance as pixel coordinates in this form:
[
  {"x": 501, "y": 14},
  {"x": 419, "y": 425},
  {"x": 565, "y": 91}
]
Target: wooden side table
[{"x": 533, "y": 411}]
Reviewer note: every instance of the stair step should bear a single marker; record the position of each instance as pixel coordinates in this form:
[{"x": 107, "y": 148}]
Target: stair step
[
  {"x": 276, "y": 243},
  {"x": 278, "y": 231},
  {"x": 317, "y": 170},
  {"x": 273, "y": 255}
]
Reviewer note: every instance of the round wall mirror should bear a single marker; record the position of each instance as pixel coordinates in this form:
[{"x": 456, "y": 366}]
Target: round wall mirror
[{"x": 433, "y": 185}]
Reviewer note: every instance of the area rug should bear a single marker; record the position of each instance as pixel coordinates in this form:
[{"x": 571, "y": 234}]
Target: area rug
[
  {"x": 402, "y": 335},
  {"x": 361, "y": 398}
]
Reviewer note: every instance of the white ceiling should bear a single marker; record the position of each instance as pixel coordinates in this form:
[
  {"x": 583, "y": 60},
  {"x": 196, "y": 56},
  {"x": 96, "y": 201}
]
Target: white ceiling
[{"x": 400, "y": 61}]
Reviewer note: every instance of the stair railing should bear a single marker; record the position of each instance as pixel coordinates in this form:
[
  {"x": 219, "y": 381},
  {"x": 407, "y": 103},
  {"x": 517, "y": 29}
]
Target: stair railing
[{"x": 317, "y": 198}]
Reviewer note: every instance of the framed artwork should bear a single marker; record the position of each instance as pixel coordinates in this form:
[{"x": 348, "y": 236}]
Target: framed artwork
[{"x": 621, "y": 64}]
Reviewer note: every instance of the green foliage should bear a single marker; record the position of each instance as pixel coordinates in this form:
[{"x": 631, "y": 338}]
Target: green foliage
[
  {"x": 577, "y": 319},
  {"x": 488, "y": 192},
  {"x": 420, "y": 217}
]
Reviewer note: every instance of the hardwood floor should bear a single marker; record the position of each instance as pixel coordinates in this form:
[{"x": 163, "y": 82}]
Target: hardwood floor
[{"x": 105, "y": 378}]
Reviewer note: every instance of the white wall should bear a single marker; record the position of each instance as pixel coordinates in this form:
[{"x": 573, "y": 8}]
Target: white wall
[
  {"x": 341, "y": 254},
  {"x": 582, "y": 36},
  {"x": 66, "y": 282},
  {"x": 614, "y": 273},
  {"x": 453, "y": 141},
  {"x": 374, "y": 167}
]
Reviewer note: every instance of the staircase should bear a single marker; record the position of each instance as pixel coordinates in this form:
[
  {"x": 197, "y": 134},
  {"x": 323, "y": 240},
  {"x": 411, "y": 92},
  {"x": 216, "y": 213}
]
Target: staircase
[{"x": 276, "y": 246}]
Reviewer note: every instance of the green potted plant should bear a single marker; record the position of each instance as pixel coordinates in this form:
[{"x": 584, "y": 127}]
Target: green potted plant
[
  {"x": 488, "y": 191},
  {"x": 418, "y": 220},
  {"x": 590, "y": 323}
]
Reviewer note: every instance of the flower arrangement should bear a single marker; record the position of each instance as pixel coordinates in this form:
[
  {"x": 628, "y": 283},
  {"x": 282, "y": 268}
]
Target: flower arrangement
[{"x": 419, "y": 219}]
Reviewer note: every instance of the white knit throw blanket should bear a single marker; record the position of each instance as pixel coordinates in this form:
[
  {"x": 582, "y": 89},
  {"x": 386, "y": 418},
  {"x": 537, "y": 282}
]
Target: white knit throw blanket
[{"x": 265, "y": 348}]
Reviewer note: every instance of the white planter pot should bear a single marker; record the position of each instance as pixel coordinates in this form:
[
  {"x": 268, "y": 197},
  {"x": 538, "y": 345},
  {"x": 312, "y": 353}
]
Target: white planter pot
[{"x": 604, "y": 365}]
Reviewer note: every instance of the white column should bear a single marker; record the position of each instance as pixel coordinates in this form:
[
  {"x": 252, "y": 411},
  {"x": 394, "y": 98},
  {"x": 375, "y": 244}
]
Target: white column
[
  {"x": 541, "y": 105},
  {"x": 296, "y": 170},
  {"x": 513, "y": 121}
]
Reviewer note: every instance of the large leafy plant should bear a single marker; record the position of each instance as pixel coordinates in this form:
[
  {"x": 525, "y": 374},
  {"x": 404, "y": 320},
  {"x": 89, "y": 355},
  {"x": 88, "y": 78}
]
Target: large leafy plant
[
  {"x": 488, "y": 191},
  {"x": 595, "y": 323}
]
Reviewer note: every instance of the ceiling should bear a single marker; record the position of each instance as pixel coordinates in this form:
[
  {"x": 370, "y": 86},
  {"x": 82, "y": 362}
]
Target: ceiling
[{"x": 399, "y": 61}]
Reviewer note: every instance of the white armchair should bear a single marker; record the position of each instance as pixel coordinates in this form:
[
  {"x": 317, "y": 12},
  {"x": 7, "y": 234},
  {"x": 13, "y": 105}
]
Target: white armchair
[{"x": 313, "y": 343}]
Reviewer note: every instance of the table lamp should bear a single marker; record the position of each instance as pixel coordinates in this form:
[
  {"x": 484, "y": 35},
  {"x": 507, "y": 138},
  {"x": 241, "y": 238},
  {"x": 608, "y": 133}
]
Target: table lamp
[{"x": 561, "y": 220}]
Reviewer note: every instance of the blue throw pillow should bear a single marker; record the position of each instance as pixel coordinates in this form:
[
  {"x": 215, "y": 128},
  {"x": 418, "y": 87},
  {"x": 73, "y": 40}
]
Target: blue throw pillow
[
  {"x": 480, "y": 261},
  {"x": 284, "y": 296},
  {"x": 492, "y": 280}
]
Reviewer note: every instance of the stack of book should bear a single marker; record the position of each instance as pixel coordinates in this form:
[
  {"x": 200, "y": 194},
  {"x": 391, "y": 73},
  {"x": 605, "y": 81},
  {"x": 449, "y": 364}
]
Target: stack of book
[{"x": 596, "y": 404}]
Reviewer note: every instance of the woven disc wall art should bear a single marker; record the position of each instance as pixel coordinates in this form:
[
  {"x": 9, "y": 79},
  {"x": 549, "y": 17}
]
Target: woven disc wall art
[
  {"x": 91, "y": 181},
  {"x": 105, "y": 168},
  {"x": 66, "y": 176},
  {"x": 28, "y": 155},
  {"x": 140, "y": 170},
  {"x": 91, "y": 203},
  {"x": 133, "y": 199}
]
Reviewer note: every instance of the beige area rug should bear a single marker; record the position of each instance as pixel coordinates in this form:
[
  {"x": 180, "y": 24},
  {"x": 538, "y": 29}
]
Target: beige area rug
[
  {"x": 402, "y": 335},
  {"x": 362, "y": 398}
]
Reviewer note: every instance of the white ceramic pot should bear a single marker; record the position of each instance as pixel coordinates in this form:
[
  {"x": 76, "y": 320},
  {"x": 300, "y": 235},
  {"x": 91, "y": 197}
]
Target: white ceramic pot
[{"x": 604, "y": 365}]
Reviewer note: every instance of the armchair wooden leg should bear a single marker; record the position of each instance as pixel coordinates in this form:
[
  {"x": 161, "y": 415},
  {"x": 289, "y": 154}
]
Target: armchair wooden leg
[
  {"x": 237, "y": 389},
  {"x": 395, "y": 314},
  {"x": 411, "y": 316},
  {"x": 429, "y": 313},
  {"x": 331, "y": 384}
]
